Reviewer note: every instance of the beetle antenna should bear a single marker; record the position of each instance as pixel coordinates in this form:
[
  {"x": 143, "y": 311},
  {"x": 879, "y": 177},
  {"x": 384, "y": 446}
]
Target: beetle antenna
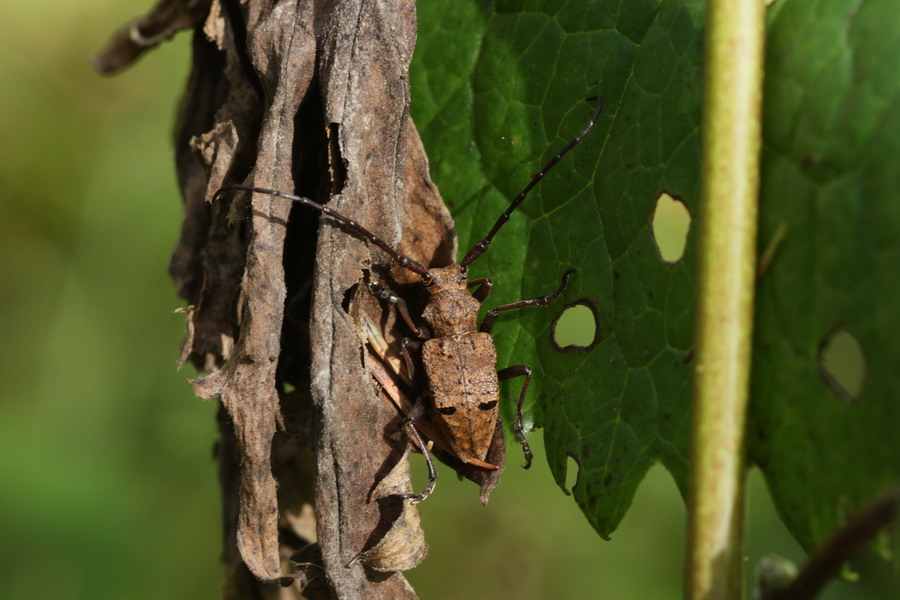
[
  {"x": 404, "y": 261},
  {"x": 479, "y": 248}
]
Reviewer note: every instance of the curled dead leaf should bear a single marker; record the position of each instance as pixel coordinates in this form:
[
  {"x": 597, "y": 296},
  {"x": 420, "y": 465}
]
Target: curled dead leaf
[
  {"x": 403, "y": 546},
  {"x": 163, "y": 21}
]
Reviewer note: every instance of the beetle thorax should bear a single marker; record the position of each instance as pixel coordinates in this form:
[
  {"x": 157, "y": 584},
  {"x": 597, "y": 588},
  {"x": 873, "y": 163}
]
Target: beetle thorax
[{"x": 451, "y": 309}]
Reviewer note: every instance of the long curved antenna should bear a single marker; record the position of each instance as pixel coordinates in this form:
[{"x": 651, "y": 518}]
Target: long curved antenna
[
  {"x": 404, "y": 261},
  {"x": 479, "y": 248}
]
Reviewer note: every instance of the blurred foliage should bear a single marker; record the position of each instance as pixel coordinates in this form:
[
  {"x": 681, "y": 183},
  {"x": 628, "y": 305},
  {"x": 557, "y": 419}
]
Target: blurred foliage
[
  {"x": 831, "y": 138},
  {"x": 107, "y": 485}
]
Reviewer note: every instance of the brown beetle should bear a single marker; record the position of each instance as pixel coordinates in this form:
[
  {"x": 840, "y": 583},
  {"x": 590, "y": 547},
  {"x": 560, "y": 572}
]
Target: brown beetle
[{"x": 460, "y": 361}]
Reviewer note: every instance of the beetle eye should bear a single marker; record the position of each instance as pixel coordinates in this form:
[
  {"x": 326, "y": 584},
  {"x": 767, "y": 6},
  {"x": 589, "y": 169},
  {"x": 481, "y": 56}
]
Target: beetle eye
[{"x": 427, "y": 279}]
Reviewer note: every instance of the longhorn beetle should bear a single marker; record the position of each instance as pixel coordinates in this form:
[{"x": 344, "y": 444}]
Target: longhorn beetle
[{"x": 460, "y": 362}]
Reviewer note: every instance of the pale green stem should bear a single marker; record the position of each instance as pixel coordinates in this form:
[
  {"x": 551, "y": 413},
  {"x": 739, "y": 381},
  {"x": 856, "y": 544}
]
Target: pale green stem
[{"x": 727, "y": 217}]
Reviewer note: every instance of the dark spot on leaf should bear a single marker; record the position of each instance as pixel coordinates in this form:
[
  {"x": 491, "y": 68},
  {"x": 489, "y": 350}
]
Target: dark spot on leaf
[
  {"x": 487, "y": 405},
  {"x": 447, "y": 410}
]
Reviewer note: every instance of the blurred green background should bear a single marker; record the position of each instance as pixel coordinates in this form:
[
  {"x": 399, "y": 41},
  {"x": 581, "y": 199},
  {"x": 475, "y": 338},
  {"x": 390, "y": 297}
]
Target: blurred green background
[{"x": 107, "y": 484}]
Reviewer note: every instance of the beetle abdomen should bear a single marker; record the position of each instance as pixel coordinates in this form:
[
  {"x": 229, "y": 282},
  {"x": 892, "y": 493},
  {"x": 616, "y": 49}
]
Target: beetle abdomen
[{"x": 462, "y": 374}]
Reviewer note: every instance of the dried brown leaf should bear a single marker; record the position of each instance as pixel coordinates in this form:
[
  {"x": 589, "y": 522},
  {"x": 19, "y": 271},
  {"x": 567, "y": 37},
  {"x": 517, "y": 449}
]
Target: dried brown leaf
[
  {"x": 364, "y": 80},
  {"x": 163, "y": 21},
  {"x": 274, "y": 88},
  {"x": 403, "y": 546},
  {"x": 246, "y": 384}
]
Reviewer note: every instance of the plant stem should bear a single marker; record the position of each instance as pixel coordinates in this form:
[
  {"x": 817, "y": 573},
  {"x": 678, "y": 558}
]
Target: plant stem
[{"x": 727, "y": 248}]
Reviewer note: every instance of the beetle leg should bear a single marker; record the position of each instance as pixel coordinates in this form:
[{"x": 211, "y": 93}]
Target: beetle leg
[
  {"x": 415, "y": 413},
  {"x": 484, "y": 288},
  {"x": 509, "y": 373},
  {"x": 432, "y": 472},
  {"x": 405, "y": 345},
  {"x": 489, "y": 319},
  {"x": 383, "y": 293}
]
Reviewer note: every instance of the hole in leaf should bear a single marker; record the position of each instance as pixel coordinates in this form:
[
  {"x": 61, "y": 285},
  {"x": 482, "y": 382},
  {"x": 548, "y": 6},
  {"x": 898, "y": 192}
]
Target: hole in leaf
[
  {"x": 572, "y": 468},
  {"x": 575, "y": 328},
  {"x": 670, "y": 225},
  {"x": 842, "y": 363}
]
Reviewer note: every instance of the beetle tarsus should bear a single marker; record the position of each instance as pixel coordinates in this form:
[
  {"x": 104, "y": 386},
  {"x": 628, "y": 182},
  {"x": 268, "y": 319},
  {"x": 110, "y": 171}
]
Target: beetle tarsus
[{"x": 432, "y": 472}]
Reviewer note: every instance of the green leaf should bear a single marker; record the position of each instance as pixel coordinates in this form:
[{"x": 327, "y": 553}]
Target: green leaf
[
  {"x": 831, "y": 142},
  {"x": 499, "y": 87},
  {"x": 491, "y": 113}
]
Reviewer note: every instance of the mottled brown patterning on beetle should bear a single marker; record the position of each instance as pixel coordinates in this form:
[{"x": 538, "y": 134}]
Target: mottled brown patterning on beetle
[{"x": 460, "y": 362}]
